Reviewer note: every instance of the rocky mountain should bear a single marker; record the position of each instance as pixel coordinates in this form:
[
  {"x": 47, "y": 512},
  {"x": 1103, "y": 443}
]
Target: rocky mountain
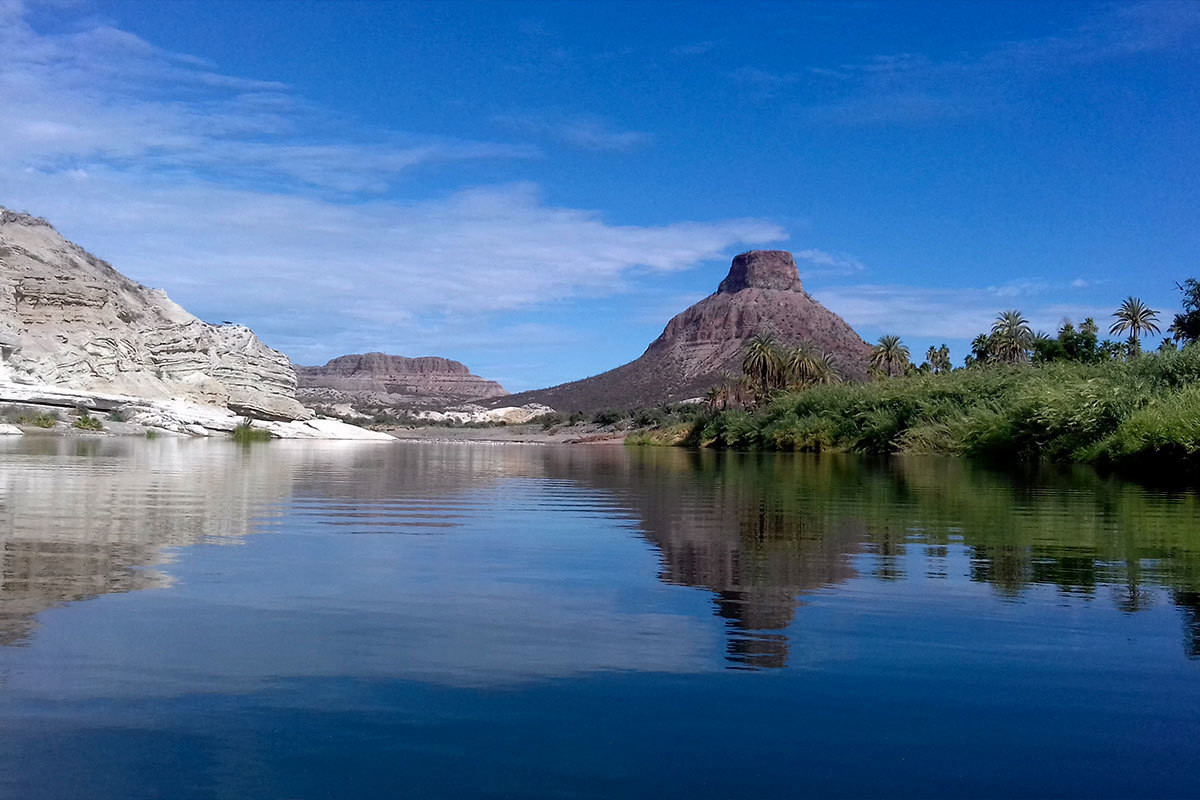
[
  {"x": 71, "y": 322},
  {"x": 761, "y": 294},
  {"x": 378, "y": 380}
]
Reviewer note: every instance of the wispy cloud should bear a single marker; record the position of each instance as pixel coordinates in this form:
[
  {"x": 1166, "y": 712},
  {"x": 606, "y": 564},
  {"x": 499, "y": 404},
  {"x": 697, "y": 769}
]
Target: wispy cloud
[
  {"x": 764, "y": 83},
  {"x": 404, "y": 272},
  {"x": 945, "y": 313},
  {"x": 694, "y": 48},
  {"x": 100, "y": 95},
  {"x": 581, "y": 131},
  {"x": 915, "y": 88},
  {"x": 814, "y": 262},
  {"x": 247, "y": 203}
]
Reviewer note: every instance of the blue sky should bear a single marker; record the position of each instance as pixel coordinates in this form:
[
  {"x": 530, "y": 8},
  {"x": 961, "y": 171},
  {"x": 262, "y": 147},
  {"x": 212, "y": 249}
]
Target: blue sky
[{"x": 534, "y": 189}]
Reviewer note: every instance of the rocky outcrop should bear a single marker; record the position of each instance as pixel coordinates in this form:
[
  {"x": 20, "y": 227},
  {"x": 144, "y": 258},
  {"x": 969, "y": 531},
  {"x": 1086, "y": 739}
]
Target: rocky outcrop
[
  {"x": 70, "y": 321},
  {"x": 378, "y": 380},
  {"x": 761, "y": 294}
]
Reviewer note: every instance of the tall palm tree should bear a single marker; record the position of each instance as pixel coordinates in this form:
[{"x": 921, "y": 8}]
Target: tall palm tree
[
  {"x": 764, "y": 364},
  {"x": 803, "y": 365},
  {"x": 931, "y": 357},
  {"x": 713, "y": 398},
  {"x": 1011, "y": 337},
  {"x": 890, "y": 355},
  {"x": 1089, "y": 326},
  {"x": 981, "y": 348},
  {"x": 941, "y": 359},
  {"x": 828, "y": 370},
  {"x": 728, "y": 390},
  {"x": 1137, "y": 318}
]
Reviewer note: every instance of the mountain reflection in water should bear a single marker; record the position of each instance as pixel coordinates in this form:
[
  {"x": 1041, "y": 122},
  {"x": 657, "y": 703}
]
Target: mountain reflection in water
[{"x": 86, "y": 517}]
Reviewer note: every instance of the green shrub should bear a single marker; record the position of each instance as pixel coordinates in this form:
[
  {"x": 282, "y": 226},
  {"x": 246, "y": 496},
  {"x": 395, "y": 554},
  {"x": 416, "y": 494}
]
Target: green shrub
[
  {"x": 609, "y": 417},
  {"x": 86, "y": 422},
  {"x": 43, "y": 420},
  {"x": 151, "y": 433},
  {"x": 649, "y": 417},
  {"x": 245, "y": 433},
  {"x": 549, "y": 420},
  {"x": 670, "y": 435},
  {"x": 1163, "y": 433}
]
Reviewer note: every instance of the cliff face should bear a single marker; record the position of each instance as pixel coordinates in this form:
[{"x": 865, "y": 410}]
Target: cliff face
[
  {"x": 381, "y": 380},
  {"x": 69, "y": 320},
  {"x": 761, "y": 294}
]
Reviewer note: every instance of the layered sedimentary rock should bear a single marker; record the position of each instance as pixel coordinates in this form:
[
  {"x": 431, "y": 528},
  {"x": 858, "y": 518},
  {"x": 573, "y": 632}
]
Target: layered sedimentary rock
[
  {"x": 378, "y": 380},
  {"x": 761, "y": 294},
  {"x": 70, "y": 321}
]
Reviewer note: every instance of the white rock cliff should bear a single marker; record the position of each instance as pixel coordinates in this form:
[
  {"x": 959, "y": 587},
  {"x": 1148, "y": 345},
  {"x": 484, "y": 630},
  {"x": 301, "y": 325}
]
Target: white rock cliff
[{"x": 70, "y": 321}]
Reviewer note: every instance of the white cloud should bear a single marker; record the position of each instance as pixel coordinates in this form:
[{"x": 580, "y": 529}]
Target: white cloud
[
  {"x": 247, "y": 204},
  {"x": 581, "y": 131},
  {"x": 1025, "y": 287},
  {"x": 943, "y": 314},
  {"x": 409, "y": 270},
  {"x": 913, "y": 88},
  {"x": 101, "y": 95}
]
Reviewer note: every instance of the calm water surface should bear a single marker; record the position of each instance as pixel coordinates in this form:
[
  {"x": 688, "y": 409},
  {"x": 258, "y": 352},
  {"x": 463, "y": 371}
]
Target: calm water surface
[{"x": 195, "y": 619}]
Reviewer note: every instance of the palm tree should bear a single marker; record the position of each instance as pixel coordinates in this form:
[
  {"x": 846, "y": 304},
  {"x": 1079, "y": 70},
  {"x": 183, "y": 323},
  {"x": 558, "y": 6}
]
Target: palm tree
[
  {"x": 981, "y": 348},
  {"x": 764, "y": 364},
  {"x": 1089, "y": 326},
  {"x": 938, "y": 359},
  {"x": 1137, "y": 318},
  {"x": 941, "y": 359},
  {"x": 713, "y": 398},
  {"x": 728, "y": 391},
  {"x": 1011, "y": 337},
  {"x": 803, "y": 365},
  {"x": 890, "y": 355},
  {"x": 828, "y": 370}
]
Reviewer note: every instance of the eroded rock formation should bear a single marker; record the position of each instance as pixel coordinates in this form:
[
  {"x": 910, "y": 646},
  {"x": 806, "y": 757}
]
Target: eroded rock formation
[
  {"x": 70, "y": 321},
  {"x": 378, "y": 380},
  {"x": 761, "y": 294}
]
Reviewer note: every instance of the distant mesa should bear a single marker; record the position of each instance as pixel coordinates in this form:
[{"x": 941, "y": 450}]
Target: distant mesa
[
  {"x": 378, "y": 380},
  {"x": 761, "y": 294}
]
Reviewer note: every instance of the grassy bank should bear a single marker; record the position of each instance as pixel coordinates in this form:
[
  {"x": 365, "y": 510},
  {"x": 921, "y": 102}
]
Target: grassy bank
[
  {"x": 1141, "y": 413},
  {"x": 246, "y": 433}
]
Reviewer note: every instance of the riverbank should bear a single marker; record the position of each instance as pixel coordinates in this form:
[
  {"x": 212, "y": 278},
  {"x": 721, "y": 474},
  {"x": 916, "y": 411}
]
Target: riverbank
[
  {"x": 34, "y": 419},
  {"x": 1140, "y": 414},
  {"x": 532, "y": 433},
  {"x": 49, "y": 410}
]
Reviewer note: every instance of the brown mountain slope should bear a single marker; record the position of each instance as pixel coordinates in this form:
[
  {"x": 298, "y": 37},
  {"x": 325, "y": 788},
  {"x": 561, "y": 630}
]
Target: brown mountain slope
[{"x": 761, "y": 294}]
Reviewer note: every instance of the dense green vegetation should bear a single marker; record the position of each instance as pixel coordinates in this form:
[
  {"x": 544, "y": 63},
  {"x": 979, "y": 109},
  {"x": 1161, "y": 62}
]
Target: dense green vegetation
[
  {"x": 1020, "y": 396},
  {"x": 1139, "y": 411}
]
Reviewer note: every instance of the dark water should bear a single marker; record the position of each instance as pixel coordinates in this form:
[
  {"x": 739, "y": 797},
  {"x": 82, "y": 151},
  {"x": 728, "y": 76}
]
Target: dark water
[{"x": 194, "y": 619}]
